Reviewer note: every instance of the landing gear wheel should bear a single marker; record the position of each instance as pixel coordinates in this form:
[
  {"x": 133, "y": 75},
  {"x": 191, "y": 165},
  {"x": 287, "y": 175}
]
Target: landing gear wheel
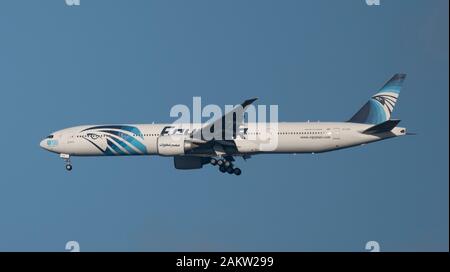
[
  {"x": 230, "y": 170},
  {"x": 213, "y": 161},
  {"x": 222, "y": 169},
  {"x": 220, "y": 162},
  {"x": 66, "y": 158},
  {"x": 237, "y": 171},
  {"x": 227, "y": 164}
]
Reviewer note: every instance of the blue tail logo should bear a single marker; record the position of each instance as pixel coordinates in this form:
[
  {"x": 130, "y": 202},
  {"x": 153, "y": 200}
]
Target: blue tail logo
[{"x": 380, "y": 106}]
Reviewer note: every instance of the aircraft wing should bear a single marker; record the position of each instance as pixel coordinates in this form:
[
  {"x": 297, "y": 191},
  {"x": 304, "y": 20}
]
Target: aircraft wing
[{"x": 226, "y": 127}]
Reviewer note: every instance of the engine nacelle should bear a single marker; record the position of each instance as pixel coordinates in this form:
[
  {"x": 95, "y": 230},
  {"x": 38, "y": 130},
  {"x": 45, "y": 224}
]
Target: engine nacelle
[
  {"x": 189, "y": 162},
  {"x": 173, "y": 145}
]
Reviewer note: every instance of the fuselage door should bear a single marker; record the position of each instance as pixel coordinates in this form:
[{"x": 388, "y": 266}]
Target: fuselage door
[
  {"x": 70, "y": 138},
  {"x": 336, "y": 133}
]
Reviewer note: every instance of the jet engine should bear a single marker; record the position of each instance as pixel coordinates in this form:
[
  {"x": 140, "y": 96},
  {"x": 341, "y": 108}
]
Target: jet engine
[{"x": 173, "y": 145}]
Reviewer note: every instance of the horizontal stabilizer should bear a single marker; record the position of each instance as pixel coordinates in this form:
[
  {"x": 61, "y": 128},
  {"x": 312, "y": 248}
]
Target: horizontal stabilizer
[{"x": 383, "y": 127}]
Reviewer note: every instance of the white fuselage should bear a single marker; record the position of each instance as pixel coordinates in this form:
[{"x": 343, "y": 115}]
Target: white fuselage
[{"x": 153, "y": 139}]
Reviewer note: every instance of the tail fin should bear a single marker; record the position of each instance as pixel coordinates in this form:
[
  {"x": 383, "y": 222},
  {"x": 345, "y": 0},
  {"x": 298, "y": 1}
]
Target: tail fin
[{"x": 379, "y": 108}]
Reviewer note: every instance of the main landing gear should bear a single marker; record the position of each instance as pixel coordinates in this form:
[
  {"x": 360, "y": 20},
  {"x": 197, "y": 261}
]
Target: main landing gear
[
  {"x": 226, "y": 166},
  {"x": 66, "y": 158}
]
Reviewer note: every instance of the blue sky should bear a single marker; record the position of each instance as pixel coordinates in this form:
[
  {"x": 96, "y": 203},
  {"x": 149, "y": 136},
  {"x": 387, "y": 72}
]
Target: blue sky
[{"x": 131, "y": 61}]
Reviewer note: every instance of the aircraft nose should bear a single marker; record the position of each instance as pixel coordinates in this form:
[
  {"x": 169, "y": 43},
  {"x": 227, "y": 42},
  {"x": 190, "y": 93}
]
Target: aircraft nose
[{"x": 43, "y": 144}]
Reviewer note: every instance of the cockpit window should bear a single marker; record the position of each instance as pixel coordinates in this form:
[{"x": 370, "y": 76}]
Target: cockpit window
[{"x": 50, "y": 136}]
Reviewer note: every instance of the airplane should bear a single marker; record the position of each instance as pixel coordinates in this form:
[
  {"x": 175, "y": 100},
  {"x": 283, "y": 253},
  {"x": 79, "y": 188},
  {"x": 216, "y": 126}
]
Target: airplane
[{"x": 190, "y": 149}]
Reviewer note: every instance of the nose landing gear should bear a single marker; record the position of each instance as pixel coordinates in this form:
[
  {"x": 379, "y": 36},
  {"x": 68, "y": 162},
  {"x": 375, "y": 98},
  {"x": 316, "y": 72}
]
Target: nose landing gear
[
  {"x": 66, "y": 158},
  {"x": 226, "y": 166}
]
